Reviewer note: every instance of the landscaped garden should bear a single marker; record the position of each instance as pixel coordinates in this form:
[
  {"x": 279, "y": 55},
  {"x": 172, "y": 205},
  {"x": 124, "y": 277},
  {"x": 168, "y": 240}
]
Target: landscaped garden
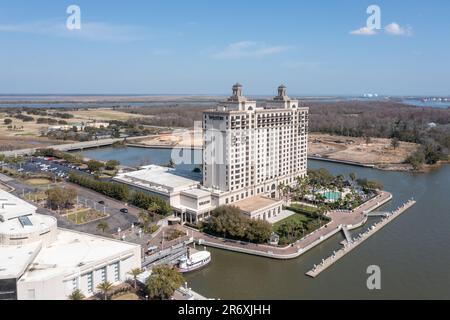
[
  {"x": 306, "y": 219},
  {"x": 85, "y": 215},
  {"x": 321, "y": 188}
]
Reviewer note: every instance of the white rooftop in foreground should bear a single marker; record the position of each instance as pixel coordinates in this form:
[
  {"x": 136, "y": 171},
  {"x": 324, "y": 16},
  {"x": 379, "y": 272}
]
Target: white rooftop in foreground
[
  {"x": 45, "y": 261},
  {"x": 15, "y": 259},
  {"x": 157, "y": 178},
  {"x": 72, "y": 251},
  {"x": 12, "y": 207}
]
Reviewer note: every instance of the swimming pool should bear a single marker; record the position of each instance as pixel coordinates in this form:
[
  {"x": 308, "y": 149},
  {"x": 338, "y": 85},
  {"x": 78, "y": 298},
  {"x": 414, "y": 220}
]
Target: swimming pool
[{"x": 332, "y": 195}]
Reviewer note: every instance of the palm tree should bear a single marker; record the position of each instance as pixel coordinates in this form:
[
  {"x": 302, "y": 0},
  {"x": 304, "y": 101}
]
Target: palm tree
[
  {"x": 163, "y": 282},
  {"x": 135, "y": 273},
  {"x": 105, "y": 287},
  {"x": 281, "y": 189},
  {"x": 102, "y": 226},
  {"x": 77, "y": 295}
]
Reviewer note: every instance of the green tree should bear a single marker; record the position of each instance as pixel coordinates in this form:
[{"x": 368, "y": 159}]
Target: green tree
[
  {"x": 94, "y": 165},
  {"x": 102, "y": 226},
  {"x": 395, "y": 143},
  {"x": 105, "y": 287},
  {"x": 145, "y": 201},
  {"x": 353, "y": 176},
  {"x": 61, "y": 197},
  {"x": 77, "y": 295},
  {"x": 112, "y": 164},
  {"x": 230, "y": 222},
  {"x": 7, "y": 121},
  {"x": 417, "y": 159},
  {"x": 135, "y": 273},
  {"x": 259, "y": 231},
  {"x": 163, "y": 282}
]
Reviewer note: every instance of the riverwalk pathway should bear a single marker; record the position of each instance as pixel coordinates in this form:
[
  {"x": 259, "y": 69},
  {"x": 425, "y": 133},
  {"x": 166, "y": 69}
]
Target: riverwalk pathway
[
  {"x": 350, "y": 245},
  {"x": 351, "y": 219}
]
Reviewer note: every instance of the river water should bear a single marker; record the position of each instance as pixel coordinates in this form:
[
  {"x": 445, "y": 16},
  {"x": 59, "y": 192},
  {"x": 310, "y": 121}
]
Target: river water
[{"x": 413, "y": 251}]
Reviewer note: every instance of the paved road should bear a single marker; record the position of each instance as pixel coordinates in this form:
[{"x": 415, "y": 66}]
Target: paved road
[{"x": 116, "y": 219}]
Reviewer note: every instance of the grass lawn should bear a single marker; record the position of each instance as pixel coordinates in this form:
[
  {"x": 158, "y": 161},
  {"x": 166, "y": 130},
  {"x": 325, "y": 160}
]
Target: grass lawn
[
  {"x": 304, "y": 208},
  {"x": 39, "y": 196},
  {"x": 85, "y": 215},
  {"x": 298, "y": 224},
  {"x": 294, "y": 218},
  {"x": 37, "y": 182}
]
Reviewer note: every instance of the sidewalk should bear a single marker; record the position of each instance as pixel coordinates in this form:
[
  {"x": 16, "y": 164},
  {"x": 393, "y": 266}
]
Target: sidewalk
[{"x": 351, "y": 219}]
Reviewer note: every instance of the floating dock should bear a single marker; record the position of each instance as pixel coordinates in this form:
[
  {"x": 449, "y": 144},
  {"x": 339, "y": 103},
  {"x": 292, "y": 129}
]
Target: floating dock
[{"x": 349, "y": 246}]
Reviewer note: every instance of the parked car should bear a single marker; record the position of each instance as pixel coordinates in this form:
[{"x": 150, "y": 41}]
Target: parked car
[
  {"x": 101, "y": 202},
  {"x": 124, "y": 210}
]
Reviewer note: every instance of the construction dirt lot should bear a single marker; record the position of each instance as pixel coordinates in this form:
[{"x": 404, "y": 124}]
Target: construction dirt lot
[
  {"x": 176, "y": 138},
  {"x": 378, "y": 151}
]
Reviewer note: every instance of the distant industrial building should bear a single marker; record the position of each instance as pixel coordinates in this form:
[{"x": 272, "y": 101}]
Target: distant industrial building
[{"x": 38, "y": 261}]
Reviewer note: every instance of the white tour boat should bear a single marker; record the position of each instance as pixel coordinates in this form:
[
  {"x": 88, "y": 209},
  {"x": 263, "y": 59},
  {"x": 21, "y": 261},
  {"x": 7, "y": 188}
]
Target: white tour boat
[{"x": 191, "y": 262}]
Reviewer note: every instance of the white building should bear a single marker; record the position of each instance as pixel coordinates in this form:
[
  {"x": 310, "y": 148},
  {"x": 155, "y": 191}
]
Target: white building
[
  {"x": 38, "y": 261},
  {"x": 248, "y": 152},
  {"x": 251, "y": 150}
]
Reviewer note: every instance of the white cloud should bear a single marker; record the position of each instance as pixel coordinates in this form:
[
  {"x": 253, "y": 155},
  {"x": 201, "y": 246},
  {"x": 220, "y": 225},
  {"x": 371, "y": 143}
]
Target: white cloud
[
  {"x": 364, "y": 31},
  {"x": 248, "y": 49},
  {"x": 92, "y": 31},
  {"x": 396, "y": 30}
]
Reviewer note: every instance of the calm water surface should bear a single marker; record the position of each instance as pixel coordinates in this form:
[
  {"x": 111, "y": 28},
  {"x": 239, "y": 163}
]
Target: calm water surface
[{"x": 413, "y": 251}]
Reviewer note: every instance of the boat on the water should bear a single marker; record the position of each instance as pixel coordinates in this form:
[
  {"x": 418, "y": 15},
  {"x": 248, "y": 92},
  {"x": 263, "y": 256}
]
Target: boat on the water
[{"x": 194, "y": 261}]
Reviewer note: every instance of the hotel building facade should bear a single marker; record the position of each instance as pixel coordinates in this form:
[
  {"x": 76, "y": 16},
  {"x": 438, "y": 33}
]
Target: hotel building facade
[{"x": 249, "y": 150}]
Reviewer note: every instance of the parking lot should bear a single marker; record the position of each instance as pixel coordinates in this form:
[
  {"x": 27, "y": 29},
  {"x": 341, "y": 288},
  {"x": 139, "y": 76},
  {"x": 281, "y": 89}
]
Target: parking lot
[
  {"x": 57, "y": 168},
  {"x": 121, "y": 215}
]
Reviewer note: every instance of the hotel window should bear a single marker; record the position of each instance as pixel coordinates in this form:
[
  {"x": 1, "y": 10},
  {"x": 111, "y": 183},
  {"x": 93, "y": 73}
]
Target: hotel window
[
  {"x": 90, "y": 282},
  {"x": 103, "y": 276},
  {"x": 116, "y": 270},
  {"x": 74, "y": 284}
]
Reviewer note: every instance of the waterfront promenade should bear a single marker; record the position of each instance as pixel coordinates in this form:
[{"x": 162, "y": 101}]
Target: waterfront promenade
[
  {"x": 350, "y": 245},
  {"x": 350, "y": 219}
]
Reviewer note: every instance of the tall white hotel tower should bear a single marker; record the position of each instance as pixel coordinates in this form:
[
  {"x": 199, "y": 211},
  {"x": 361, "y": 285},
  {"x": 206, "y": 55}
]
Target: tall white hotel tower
[{"x": 249, "y": 149}]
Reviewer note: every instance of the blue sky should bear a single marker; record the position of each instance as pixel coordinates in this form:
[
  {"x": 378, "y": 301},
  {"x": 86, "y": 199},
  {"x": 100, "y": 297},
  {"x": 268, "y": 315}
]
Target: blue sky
[{"x": 203, "y": 47}]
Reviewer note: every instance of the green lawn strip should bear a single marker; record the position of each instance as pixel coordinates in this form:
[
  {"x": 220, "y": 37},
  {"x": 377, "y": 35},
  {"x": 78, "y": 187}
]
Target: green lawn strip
[{"x": 84, "y": 216}]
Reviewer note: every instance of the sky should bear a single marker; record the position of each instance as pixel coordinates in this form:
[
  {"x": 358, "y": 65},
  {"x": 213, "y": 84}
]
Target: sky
[{"x": 204, "y": 46}]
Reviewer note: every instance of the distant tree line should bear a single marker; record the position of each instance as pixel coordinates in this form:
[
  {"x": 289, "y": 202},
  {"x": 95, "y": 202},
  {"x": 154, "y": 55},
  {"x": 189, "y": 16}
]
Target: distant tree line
[
  {"x": 152, "y": 203},
  {"x": 69, "y": 157},
  {"x": 110, "y": 189}
]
